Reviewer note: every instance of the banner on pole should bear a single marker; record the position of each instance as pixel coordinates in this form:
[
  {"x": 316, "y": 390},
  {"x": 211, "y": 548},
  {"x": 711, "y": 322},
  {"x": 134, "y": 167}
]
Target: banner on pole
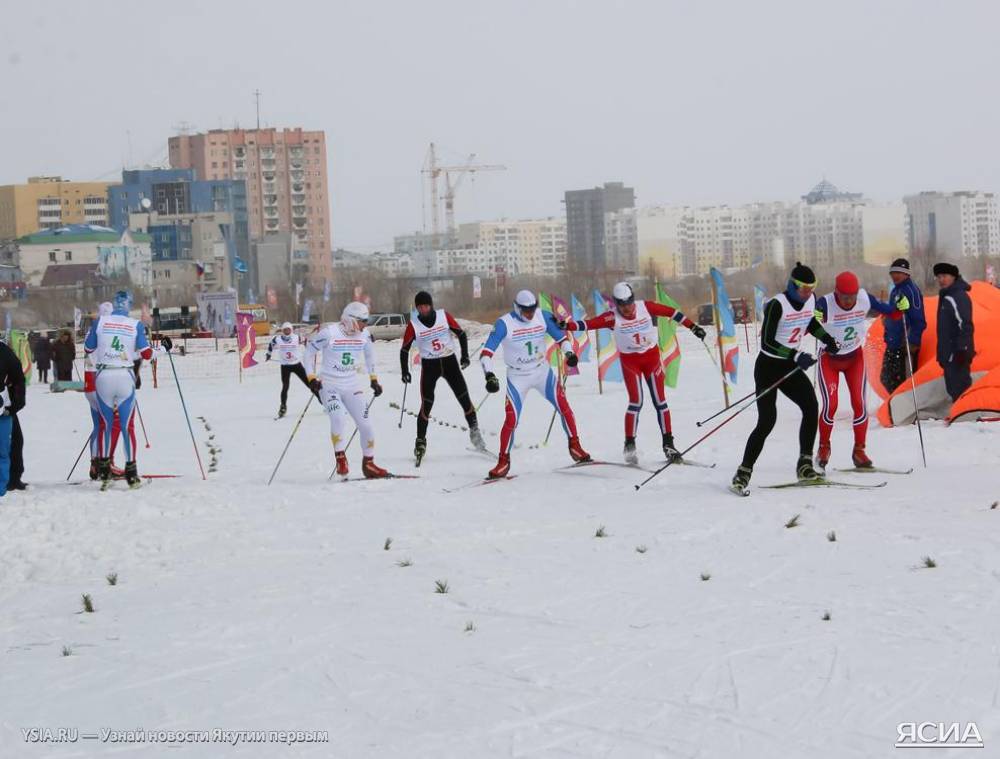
[
  {"x": 298, "y": 292},
  {"x": 670, "y": 347},
  {"x": 272, "y": 297},
  {"x": 217, "y": 312},
  {"x": 246, "y": 339},
  {"x": 609, "y": 368},
  {"x": 582, "y": 338},
  {"x": 477, "y": 287},
  {"x": 727, "y": 328},
  {"x": 307, "y": 310},
  {"x": 326, "y": 291},
  {"x": 759, "y": 296},
  {"x": 77, "y": 318},
  {"x": 22, "y": 349}
]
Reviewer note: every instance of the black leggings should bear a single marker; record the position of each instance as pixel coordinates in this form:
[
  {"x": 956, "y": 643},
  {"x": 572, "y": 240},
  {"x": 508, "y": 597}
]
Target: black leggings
[
  {"x": 287, "y": 370},
  {"x": 430, "y": 370},
  {"x": 797, "y": 389}
]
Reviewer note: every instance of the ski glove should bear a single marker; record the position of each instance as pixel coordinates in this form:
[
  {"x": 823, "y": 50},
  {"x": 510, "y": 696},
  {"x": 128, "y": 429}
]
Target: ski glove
[
  {"x": 267, "y": 356},
  {"x": 167, "y": 343},
  {"x": 903, "y": 303},
  {"x": 315, "y": 385},
  {"x": 492, "y": 383},
  {"x": 376, "y": 388},
  {"x": 830, "y": 343},
  {"x": 464, "y": 363},
  {"x": 563, "y": 324},
  {"x": 571, "y": 359},
  {"x": 405, "y": 377},
  {"x": 804, "y": 360},
  {"x": 698, "y": 331}
]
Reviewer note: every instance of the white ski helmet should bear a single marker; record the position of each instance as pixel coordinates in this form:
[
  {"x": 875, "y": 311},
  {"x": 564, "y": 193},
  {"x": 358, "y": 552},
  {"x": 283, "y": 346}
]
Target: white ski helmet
[
  {"x": 525, "y": 300},
  {"x": 622, "y": 294},
  {"x": 286, "y": 325},
  {"x": 354, "y": 316},
  {"x": 104, "y": 309}
]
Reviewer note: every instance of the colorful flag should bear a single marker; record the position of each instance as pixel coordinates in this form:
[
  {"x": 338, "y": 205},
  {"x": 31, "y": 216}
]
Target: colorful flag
[
  {"x": 22, "y": 349},
  {"x": 477, "y": 287},
  {"x": 562, "y": 313},
  {"x": 551, "y": 354},
  {"x": 298, "y": 292},
  {"x": 272, "y": 297},
  {"x": 246, "y": 338},
  {"x": 727, "y": 328},
  {"x": 199, "y": 268},
  {"x": 670, "y": 347},
  {"x": 609, "y": 368},
  {"x": 582, "y": 338},
  {"x": 759, "y": 296},
  {"x": 77, "y": 317},
  {"x": 326, "y": 291}
]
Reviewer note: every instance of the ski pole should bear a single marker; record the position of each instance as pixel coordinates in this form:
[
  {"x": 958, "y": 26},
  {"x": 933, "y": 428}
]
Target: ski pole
[
  {"x": 480, "y": 404},
  {"x": 177, "y": 382},
  {"x": 718, "y": 427},
  {"x": 724, "y": 410},
  {"x": 352, "y": 436},
  {"x": 290, "y": 437},
  {"x": 402, "y": 408},
  {"x": 913, "y": 389},
  {"x": 142, "y": 424},
  {"x": 552, "y": 421},
  {"x": 85, "y": 445}
]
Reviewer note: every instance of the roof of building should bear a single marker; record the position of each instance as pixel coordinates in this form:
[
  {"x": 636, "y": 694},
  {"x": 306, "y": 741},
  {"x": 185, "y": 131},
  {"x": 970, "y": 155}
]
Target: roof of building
[
  {"x": 827, "y": 192},
  {"x": 68, "y": 275},
  {"x": 79, "y": 233}
]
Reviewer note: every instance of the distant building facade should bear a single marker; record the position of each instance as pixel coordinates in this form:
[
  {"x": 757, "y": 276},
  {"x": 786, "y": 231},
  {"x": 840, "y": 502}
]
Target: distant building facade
[
  {"x": 286, "y": 182},
  {"x": 49, "y": 203},
  {"x": 952, "y": 225},
  {"x": 585, "y": 218},
  {"x": 115, "y": 254}
]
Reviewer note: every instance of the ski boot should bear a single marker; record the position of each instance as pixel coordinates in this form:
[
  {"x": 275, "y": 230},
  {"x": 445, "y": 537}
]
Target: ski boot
[
  {"x": 93, "y": 469},
  {"x": 860, "y": 458},
  {"x": 823, "y": 455},
  {"x": 631, "y": 456},
  {"x": 103, "y": 469},
  {"x": 371, "y": 470},
  {"x": 669, "y": 450},
  {"x": 501, "y": 469},
  {"x": 281, "y": 410},
  {"x": 342, "y": 469},
  {"x": 805, "y": 470},
  {"x": 476, "y": 438},
  {"x": 419, "y": 449},
  {"x": 132, "y": 475},
  {"x": 741, "y": 481},
  {"x": 576, "y": 451}
]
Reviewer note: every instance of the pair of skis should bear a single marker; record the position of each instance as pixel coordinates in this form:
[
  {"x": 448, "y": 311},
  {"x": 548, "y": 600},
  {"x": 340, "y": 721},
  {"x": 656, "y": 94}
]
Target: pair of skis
[{"x": 823, "y": 482}]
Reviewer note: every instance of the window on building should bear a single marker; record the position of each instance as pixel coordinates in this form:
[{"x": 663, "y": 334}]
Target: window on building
[
  {"x": 69, "y": 255},
  {"x": 52, "y": 256}
]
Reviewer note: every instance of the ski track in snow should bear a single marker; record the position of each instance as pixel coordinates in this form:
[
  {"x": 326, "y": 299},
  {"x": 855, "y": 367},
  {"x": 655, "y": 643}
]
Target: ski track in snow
[{"x": 242, "y": 606}]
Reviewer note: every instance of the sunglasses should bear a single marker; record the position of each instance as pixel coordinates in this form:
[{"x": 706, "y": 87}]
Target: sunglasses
[{"x": 804, "y": 285}]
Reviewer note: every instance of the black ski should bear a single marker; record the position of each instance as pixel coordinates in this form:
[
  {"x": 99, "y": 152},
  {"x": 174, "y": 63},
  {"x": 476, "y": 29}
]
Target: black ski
[{"x": 824, "y": 483}]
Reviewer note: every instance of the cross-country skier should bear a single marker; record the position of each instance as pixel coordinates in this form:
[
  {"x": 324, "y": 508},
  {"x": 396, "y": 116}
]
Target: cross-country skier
[
  {"x": 522, "y": 334},
  {"x": 342, "y": 346},
  {"x": 90, "y": 393},
  {"x": 114, "y": 340},
  {"x": 636, "y": 339},
  {"x": 288, "y": 347},
  {"x": 788, "y": 317},
  {"x": 432, "y": 330},
  {"x": 844, "y": 315}
]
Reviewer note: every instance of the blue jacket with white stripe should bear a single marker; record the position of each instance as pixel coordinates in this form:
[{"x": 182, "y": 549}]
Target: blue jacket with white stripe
[{"x": 954, "y": 323}]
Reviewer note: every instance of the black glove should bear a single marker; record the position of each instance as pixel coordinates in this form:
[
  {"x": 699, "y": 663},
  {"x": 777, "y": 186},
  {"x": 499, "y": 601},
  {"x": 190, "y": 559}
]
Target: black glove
[
  {"x": 804, "y": 360},
  {"x": 698, "y": 331},
  {"x": 315, "y": 385},
  {"x": 138, "y": 380},
  {"x": 830, "y": 343},
  {"x": 167, "y": 343},
  {"x": 267, "y": 356},
  {"x": 492, "y": 383},
  {"x": 571, "y": 359},
  {"x": 405, "y": 377},
  {"x": 562, "y": 324},
  {"x": 376, "y": 388},
  {"x": 464, "y": 362}
]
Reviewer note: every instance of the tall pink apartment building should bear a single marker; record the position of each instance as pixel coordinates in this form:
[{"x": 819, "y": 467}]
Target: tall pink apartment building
[{"x": 285, "y": 175}]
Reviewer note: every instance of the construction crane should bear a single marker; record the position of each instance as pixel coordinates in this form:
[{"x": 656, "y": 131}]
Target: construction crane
[{"x": 453, "y": 176}]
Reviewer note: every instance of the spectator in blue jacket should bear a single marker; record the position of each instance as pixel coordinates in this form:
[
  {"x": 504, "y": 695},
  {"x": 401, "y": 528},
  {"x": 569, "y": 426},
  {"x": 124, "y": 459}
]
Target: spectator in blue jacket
[
  {"x": 895, "y": 367},
  {"x": 955, "y": 332}
]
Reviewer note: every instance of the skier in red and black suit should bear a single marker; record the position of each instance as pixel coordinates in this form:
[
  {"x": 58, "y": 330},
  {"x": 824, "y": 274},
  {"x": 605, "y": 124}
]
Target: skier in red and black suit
[
  {"x": 635, "y": 334},
  {"x": 433, "y": 330}
]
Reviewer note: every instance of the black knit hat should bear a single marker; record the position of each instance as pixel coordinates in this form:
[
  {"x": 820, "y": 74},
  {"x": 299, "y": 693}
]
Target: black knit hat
[
  {"x": 900, "y": 266},
  {"x": 802, "y": 273},
  {"x": 423, "y": 298},
  {"x": 945, "y": 268}
]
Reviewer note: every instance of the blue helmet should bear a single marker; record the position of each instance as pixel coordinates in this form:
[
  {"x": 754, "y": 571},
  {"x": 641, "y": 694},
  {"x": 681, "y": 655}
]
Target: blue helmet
[{"x": 123, "y": 302}]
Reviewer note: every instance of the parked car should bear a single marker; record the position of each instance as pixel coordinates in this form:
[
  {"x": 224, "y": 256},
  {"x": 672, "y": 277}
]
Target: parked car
[
  {"x": 741, "y": 312},
  {"x": 387, "y": 326}
]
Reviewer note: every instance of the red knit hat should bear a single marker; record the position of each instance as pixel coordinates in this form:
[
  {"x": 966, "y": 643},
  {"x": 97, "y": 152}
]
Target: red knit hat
[{"x": 847, "y": 283}]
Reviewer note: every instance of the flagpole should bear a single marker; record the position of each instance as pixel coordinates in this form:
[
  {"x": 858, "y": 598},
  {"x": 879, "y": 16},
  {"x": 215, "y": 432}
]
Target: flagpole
[
  {"x": 718, "y": 340},
  {"x": 597, "y": 343}
]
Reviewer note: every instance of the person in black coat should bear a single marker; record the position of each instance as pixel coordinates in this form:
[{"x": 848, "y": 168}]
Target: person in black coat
[
  {"x": 955, "y": 331},
  {"x": 42, "y": 351},
  {"x": 11, "y": 440},
  {"x": 63, "y": 354}
]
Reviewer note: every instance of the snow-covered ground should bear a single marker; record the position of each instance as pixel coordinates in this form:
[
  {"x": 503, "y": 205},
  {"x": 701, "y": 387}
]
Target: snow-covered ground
[{"x": 246, "y": 607}]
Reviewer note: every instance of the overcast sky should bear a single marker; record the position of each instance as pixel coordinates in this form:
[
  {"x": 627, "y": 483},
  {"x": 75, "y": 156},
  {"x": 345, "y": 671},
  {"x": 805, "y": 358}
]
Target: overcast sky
[{"x": 688, "y": 102}]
